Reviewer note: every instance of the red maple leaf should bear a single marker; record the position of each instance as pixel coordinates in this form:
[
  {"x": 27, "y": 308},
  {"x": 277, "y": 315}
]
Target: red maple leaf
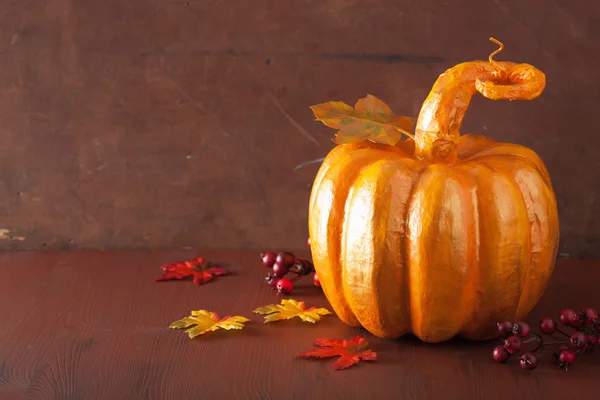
[
  {"x": 197, "y": 267},
  {"x": 349, "y": 351}
]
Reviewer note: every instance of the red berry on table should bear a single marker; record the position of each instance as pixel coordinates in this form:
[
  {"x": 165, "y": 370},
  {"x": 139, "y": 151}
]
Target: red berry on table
[
  {"x": 286, "y": 259},
  {"x": 566, "y": 358},
  {"x": 304, "y": 267},
  {"x": 548, "y": 326},
  {"x": 272, "y": 281},
  {"x": 308, "y": 242},
  {"x": 521, "y": 329},
  {"x": 588, "y": 315},
  {"x": 285, "y": 286},
  {"x": 569, "y": 317},
  {"x": 316, "y": 280},
  {"x": 578, "y": 340},
  {"x": 280, "y": 269},
  {"x": 528, "y": 361},
  {"x": 592, "y": 341},
  {"x": 500, "y": 354},
  {"x": 562, "y": 346},
  {"x": 505, "y": 327},
  {"x": 268, "y": 259},
  {"x": 513, "y": 344}
]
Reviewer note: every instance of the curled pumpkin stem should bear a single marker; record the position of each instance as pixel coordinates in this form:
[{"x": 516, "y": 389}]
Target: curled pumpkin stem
[
  {"x": 498, "y": 50},
  {"x": 444, "y": 108}
]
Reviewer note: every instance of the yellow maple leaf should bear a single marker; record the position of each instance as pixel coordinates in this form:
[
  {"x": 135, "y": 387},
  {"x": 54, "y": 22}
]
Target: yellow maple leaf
[
  {"x": 203, "y": 321},
  {"x": 370, "y": 119},
  {"x": 290, "y": 309}
]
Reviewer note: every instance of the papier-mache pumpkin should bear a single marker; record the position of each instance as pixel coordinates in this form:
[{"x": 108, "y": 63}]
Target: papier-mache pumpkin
[{"x": 441, "y": 234}]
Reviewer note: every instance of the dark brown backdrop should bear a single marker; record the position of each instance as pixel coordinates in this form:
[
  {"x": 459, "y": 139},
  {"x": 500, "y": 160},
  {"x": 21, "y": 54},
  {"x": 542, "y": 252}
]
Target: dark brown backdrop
[{"x": 149, "y": 123}]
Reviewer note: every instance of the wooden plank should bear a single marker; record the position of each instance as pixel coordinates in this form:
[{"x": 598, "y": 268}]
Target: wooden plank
[{"x": 94, "y": 325}]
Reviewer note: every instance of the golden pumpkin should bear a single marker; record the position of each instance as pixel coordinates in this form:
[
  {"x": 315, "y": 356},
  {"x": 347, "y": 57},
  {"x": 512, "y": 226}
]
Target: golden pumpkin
[{"x": 442, "y": 235}]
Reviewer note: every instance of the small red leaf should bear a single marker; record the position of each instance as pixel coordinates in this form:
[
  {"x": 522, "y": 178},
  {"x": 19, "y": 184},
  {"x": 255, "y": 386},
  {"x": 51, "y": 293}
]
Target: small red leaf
[
  {"x": 216, "y": 271},
  {"x": 172, "y": 267},
  {"x": 329, "y": 342},
  {"x": 202, "y": 277},
  {"x": 345, "y": 362},
  {"x": 196, "y": 268},
  {"x": 173, "y": 274},
  {"x": 350, "y": 351},
  {"x": 320, "y": 353}
]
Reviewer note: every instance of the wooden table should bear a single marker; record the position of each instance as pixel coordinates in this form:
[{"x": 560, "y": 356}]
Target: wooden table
[{"x": 94, "y": 325}]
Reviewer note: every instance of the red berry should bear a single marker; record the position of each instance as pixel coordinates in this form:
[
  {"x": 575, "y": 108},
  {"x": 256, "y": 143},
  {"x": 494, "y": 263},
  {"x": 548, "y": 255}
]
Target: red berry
[
  {"x": 316, "y": 280},
  {"x": 500, "y": 354},
  {"x": 562, "y": 346},
  {"x": 286, "y": 259},
  {"x": 308, "y": 242},
  {"x": 591, "y": 342},
  {"x": 272, "y": 281},
  {"x": 285, "y": 286},
  {"x": 566, "y": 358},
  {"x": 280, "y": 269},
  {"x": 521, "y": 329},
  {"x": 528, "y": 361},
  {"x": 578, "y": 340},
  {"x": 304, "y": 267},
  {"x": 505, "y": 327},
  {"x": 513, "y": 344},
  {"x": 592, "y": 339},
  {"x": 268, "y": 259},
  {"x": 569, "y": 317},
  {"x": 588, "y": 315},
  {"x": 548, "y": 326}
]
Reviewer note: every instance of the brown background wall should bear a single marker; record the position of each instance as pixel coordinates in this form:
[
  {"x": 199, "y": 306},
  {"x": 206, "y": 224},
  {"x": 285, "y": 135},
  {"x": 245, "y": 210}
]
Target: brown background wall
[{"x": 148, "y": 123}]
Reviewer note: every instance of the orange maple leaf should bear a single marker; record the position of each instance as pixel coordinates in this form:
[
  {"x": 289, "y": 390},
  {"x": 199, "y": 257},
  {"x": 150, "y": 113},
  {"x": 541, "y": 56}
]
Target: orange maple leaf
[
  {"x": 349, "y": 351},
  {"x": 370, "y": 119}
]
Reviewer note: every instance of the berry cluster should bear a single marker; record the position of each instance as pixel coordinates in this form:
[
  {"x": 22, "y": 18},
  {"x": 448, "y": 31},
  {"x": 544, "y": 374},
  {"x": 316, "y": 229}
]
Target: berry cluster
[
  {"x": 585, "y": 336},
  {"x": 283, "y": 264}
]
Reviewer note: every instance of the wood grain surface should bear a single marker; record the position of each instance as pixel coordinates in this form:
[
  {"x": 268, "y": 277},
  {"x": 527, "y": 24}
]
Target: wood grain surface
[
  {"x": 94, "y": 325},
  {"x": 174, "y": 123}
]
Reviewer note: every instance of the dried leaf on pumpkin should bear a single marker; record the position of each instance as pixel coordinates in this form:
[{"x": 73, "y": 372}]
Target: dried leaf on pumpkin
[
  {"x": 370, "y": 119},
  {"x": 349, "y": 351},
  {"x": 197, "y": 267},
  {"x": 289, "y": 309},
  {"x": 203, "y": 321}
]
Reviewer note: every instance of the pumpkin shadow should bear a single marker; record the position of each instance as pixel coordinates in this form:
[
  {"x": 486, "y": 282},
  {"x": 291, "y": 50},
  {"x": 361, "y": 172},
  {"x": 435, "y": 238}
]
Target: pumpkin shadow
[
  {"x": 455, "y": 342},
  {"x": 397, "y": 351}
]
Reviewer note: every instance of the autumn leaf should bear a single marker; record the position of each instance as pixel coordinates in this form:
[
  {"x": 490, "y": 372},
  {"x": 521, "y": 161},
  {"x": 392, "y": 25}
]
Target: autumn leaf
[
  {"x": 349, "y": 351},
  {"x": 289, "y": 309},
  {"x": 197, "y": 267},
  {"x": 203, "y": 321},
  {"x": 370, "y": 119}
]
